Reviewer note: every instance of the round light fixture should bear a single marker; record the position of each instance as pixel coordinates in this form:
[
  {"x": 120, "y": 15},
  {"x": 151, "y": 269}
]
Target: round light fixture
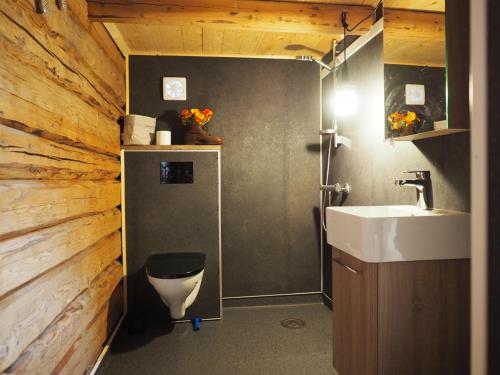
[{"x": 345, "y": 101}]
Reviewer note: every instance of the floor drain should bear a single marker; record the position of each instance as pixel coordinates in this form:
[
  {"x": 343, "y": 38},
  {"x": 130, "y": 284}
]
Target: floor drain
[{"x": 293, "y": 323}]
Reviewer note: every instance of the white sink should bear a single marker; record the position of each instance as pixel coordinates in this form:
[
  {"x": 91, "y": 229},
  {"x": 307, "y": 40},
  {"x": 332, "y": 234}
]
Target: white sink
[{"x": 377, "y": 234}]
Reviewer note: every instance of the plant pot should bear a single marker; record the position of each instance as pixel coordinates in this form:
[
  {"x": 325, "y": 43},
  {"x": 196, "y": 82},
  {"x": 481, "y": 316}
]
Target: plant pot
[
  {"x": 198, "y": 135},
  {"x": 407, "y": 131}
]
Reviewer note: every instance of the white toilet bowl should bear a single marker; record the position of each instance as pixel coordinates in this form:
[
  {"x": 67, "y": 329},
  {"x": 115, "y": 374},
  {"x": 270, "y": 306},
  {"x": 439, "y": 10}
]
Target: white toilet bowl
[{"x": 177, "y": 278}]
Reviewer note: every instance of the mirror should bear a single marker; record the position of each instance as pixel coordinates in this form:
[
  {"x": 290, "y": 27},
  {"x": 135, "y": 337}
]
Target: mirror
[{"x": 414, "y": 67}]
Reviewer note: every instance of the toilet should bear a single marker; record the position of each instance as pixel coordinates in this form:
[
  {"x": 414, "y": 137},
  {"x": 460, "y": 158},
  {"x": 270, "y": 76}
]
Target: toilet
[{"x": 177, "y": 279}]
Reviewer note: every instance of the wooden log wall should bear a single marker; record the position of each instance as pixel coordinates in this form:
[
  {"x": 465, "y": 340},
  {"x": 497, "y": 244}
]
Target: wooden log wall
[{"x": 62, "y": 90}]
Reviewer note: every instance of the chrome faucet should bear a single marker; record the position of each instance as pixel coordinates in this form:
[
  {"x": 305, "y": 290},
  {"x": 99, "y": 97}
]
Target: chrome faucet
[{"x": 424, "y": 188}]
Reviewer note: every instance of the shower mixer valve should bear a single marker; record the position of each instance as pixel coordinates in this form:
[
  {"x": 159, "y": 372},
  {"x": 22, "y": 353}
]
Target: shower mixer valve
[{"x": 337, "y": 188}]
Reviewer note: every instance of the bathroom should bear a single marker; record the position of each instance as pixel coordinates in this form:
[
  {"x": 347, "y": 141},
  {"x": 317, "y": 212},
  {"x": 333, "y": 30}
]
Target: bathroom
[{"x": 248, "y": 187}]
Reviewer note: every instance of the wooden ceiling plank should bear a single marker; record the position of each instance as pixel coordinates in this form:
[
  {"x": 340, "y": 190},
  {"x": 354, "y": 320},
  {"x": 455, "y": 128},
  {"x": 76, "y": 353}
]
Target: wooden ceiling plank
[
  {"x": 423, "y": 5},
  {"x": 231, "y": 14},
  {"x": 192, "y": 39},
  {"x": 405, "y": 52},
  {"x": 231, "y": 42},
  {"x": 414, "y": 38},
  {"x": 117, "y": 36},
  {"x": 152, "y": 37},
  {"x": 404, "y": 24},
  {"x": 341, "y": 2},
  {"x": 212, "y": 41},
  {"x": 251, "y": 42},
  {"x": 258, "y": 35}
]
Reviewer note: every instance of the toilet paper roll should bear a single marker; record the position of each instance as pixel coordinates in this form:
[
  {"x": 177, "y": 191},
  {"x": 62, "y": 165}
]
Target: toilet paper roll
[{"x": 163, "y": 137}]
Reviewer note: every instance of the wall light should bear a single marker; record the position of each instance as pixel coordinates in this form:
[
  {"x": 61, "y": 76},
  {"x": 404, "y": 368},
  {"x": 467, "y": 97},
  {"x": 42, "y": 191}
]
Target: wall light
[{"x": 345, "y": 100}]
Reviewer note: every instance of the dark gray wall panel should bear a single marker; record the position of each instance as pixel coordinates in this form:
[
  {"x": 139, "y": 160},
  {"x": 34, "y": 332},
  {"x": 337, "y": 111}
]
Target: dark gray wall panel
[
  {"x": 370, "y": 164},
  {"x": 165, "y": 218},
  {"x": 268, "y": 113}
]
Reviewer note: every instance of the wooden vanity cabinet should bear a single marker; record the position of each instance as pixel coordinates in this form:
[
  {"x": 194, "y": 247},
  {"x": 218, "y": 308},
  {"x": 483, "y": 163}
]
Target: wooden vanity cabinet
[
  {"x": 354, "y": 315},
  {"x": 400, "y": 318}
]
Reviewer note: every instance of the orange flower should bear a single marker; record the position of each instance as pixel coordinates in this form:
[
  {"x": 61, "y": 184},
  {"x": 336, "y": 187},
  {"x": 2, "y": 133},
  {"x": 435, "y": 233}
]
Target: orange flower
[{"x": 195, "y": 116}]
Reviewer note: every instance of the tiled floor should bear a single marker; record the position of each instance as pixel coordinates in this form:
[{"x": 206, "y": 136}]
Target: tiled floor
[{"x": 248, "y": 341}]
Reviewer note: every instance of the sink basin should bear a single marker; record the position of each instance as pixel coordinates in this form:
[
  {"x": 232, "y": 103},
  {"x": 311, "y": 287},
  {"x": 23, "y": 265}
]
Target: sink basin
[{"x": 377, "y": 234}]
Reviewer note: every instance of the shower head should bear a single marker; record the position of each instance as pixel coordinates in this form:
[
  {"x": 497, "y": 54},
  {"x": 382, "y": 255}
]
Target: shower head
[
  {"x": 304, "y": 58},
  {"x": 311, "y": 58}
]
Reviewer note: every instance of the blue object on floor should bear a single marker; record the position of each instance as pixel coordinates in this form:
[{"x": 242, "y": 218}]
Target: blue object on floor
[{"x": 196, "y": 324}]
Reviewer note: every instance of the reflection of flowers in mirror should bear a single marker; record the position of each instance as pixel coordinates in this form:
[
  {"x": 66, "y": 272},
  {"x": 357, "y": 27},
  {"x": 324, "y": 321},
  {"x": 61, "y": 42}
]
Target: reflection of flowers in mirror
[{"x": 400, "y": 120}]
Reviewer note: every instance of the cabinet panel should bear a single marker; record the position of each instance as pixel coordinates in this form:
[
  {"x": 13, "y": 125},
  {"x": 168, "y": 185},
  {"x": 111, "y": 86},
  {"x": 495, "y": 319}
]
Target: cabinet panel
[
  {"x": 165, "y": 216},
  {"x": 400, "y": 318},
  {"x": 354, "y": 315},
  {"x": 424, "y": 317}
]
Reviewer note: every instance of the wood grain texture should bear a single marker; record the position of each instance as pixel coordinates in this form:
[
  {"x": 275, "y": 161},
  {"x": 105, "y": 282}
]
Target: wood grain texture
[
  {"x": 415, "y": 52},
  {"x": 34, "y": 103},
  {"x": 102, "y": 36},
  {"x": 25, "y": 257},
  {"x": 115, "y": 32},
  {"x": 405, "y": 24},
  {"x": 79, "y": 13},
  {"x": 72, "y": 43},
  {"x": 17, "y": 43},
  {"x": 339, "y": 2},
  {"x": 28, "y": 311},
  {"x": 173, "y": 147},
  {"x": 269, "y": 29},
  {"x": 354, "y": 315},
  {"x": 42, "y": 355},
  {"x": 210, "y": 41},
  {"x": 30, "y": 205},
  {"x": 27, "y": 156},
  {"x": 62, "y": 90},
  {"x": 250, "y": 14},
  {"x": 414, "y": 38},
  {"x": 424, "y": 317},
  {"x": 425, "y": 5},
  {"x": 400, "y": 317},
  {"x": 85, "y": 350}
]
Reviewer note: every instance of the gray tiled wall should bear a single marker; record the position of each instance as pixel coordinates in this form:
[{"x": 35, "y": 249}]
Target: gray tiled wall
[{"x": 268, "y": 113}]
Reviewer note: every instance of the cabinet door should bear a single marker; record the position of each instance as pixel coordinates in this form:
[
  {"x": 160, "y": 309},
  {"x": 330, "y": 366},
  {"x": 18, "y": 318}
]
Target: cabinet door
[
  {"x": 424, "y": 317},
  {"x": 354, "y": 315}
]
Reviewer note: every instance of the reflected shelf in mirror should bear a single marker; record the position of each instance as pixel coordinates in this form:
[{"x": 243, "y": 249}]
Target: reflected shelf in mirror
[{"x": 429, "y": 134}]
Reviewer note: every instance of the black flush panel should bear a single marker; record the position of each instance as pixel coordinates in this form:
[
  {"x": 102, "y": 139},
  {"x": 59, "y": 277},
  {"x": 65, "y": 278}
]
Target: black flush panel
[
  {"x": 171, "y": 205},
  {"x": 176, "y": 172}
]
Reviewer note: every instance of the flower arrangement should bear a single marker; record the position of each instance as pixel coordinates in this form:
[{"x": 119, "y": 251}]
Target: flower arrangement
[
  {"x": 403, "y": 123},
  {"x": 195, "y": 116}
]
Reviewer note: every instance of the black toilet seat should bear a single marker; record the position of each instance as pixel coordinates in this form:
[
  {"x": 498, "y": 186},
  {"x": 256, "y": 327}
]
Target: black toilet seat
[{"x": 175, "y": 265}]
